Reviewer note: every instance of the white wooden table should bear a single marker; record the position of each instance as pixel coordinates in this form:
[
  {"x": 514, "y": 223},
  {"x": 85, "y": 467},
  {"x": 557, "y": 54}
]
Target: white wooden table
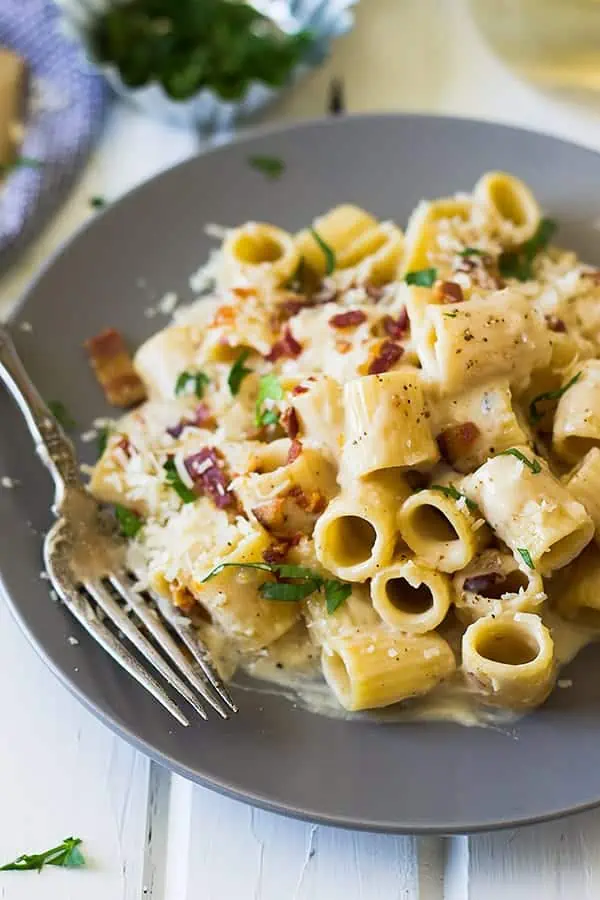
[{"x": 152, "y": 835}]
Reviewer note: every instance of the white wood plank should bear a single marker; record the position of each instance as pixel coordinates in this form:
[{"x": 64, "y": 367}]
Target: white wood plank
[
  {"x": 62, "y": 774},
  {"x": 249, "y": 854}
]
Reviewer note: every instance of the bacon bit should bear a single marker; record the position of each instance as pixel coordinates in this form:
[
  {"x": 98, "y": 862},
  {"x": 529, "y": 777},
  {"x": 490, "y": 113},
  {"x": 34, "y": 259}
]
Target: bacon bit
[
  {"x": 202, "y": 418},
  {"x": 205, "y": 468},
  {"x": 289, "y": 422},
  {"x": 455, "y": 441},
  {"x": 294, "y": 451},
  {"x": 114, "y": 370},
  {"x": 244, "y": 291},
  {"x": 396, "y": 328},
  {"x": 292, "y": 307},
  {"x": 343, "y": 346},
  {"x": 555, "y": 324},
  {"x": 314, "y": 502},
  {"x": 300, "y": 389},
  {"x": 125, "y": 446},
  {"x": 271, "y": 514},
  {"x": 388, "y": 354},
  {"x": 349, "y": 319},
  {"x": 450, "y": 292},
  {"x": 374, "y": 292},
  {"x": 225, "y": 315},
  {"x": 278, "y": 550},
  {"x": 593, "y": 275},
  {"x": 285, "y": 346},
  {"x": 479, "y": 584}
]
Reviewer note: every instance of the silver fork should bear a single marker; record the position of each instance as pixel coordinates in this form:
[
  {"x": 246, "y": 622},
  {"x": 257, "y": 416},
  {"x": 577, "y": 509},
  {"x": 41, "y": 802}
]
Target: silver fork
[{"x": 84, "y": 559}]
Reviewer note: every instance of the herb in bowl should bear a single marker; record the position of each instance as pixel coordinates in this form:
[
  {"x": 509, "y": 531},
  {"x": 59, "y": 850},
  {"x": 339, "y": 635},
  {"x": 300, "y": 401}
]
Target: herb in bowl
[{"x": 190, "y": 45}]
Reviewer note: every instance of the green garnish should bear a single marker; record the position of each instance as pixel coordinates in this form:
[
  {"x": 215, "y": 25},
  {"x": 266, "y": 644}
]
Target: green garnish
[
  {"x": 268, "y": 389},
  {"x": 531, "y": 464},
  {"x": 534, "y": 414},
  {"x": 471, "y": 251},
  {"x": 238, "y": 372},
  {"x": 271, "y": 166},
  {"x": 421, "y": 277},
  {"x": 97, "y": 202},
  {"x": 66, "y": 854},
  {"x": 102, "y": 440},
  {"x": 174, "y": 480},
  {"x": 327, "y": 252},
  {"x": 62, "y": 414},
  {"x": 518, "y": 263},
  {"x": 191, "y": 45},
  {"x": 307, "y": 581},
  {"x": 450, "y": 491},
  {"x": 297, "y": 281},
  {"x": 451, "y": 315},
  {"x": 129, "y": 522},
  {"x": 526, "y": 556},
  {"x": 197, "y": 381},
  {"x": 21, "y": 162}
]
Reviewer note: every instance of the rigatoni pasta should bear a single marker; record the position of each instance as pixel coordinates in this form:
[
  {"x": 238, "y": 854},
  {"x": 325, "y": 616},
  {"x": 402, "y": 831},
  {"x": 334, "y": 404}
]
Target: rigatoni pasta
[{"x": 373, "y": 456}]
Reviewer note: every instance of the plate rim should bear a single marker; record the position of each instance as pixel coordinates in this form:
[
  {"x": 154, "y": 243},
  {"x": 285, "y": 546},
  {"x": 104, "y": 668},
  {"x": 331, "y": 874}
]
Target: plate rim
[{"x": 124, "y": 731}]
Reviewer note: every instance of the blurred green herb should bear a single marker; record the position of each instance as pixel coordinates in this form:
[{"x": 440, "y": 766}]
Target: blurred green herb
[
  {"x": 305, "y": 582},
  {"x": 534, "y": 414},
  {"x": 519, "y": 263},
  {"x": 97, "y": 202},
  {"x": 174, "y": 479},
  {"x": 526, "y": 556},
  {"x": 129, "y": 522},
  {"x": 270, "y": 166},
  {"x": 21, "y": 162},
  {"x": 327, "y": 251},
  {"x": 62, "y": 414},
  {"x": 269, "y": 389},
  {"x": 191, "y": 383},
  {"x": 421, "y": 278},
  {"x": 102, "y": 440},
  {"x": 66, "y": 854},
  {"x": 238, "y": 372}
]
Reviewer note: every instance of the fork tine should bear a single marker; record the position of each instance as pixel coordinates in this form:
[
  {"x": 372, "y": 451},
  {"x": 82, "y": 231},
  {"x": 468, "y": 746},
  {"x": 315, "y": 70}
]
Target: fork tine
[
  {"x": 87, "y": 618},
  {"x": 120, "y": 618},
  {"x": 190, "y": 638},
  {"x": 150, "y": 618}
]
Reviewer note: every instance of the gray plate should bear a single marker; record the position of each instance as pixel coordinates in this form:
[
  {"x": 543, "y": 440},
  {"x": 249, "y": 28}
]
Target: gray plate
[{"x": 420, "y": 777}]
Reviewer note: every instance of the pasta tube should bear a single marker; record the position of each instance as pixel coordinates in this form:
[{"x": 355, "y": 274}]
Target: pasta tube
[
  {"x": 257, "y": 251},
  {"x": 510, "y": 659},
  {"x": 575, "y": 590},
  {"x": 410, "y": 596},
  {"x": 341, "y": 229},
  {"x": 577, "y": 419},
  {"x": 494, "y": 583},
  {"x": 584, "y": 484},
  {"x": 421, "y": 233},
  {"x": 318, "y": 405},
  {"x": 511, "y": 200}
]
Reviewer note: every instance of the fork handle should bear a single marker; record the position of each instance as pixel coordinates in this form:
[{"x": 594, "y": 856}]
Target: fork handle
[{"x": 51, "y": 443}]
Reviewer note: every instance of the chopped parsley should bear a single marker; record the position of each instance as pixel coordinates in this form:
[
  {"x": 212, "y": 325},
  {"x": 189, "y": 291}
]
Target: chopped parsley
[
  {"x": 297, "y": 281},
  {"x": 421, "y": 277},
  {"x": 191, "y": 383},
  {"x": 238, "y": 372},
  {"x": 526, "y": 556},
  {"x": 102, "y": 440},
  {"x": 97, "y": 202},
  {"x": 66, "y": 854},
  {"x": 270, "y": 390},
  {"x": 450, "y": 491},
  {"x": 534, "y": 414},
  {"x": 270, "y": 166},
  {"x": 62, "y": 414},
  {"x": 174, "y": 480},
  {"x": 304, "y": 582},
  {"x": 531, "y": 464},
  {"x": 451, "y": 315},
  {"x": 129, "y": 522},
  {"x": 327, "y": 252},
  {"x": 21, "y": 162},
  {"x": 471, "y": 251},
  {"x": 519, "y": 263}
]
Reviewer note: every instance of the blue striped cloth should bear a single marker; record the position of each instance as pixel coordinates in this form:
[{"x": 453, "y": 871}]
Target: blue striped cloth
[{"x": 66, "y": 102}]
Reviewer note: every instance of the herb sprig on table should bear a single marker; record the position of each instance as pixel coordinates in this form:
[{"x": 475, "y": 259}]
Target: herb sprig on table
[
  {"x": 189, "y": 45},
  {"x": 66, "y": 854}
]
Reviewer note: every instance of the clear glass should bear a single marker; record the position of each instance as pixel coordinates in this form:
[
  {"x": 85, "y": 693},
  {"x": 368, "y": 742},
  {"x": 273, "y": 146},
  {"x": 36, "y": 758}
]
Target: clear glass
[{"x": 555, "y": 43}]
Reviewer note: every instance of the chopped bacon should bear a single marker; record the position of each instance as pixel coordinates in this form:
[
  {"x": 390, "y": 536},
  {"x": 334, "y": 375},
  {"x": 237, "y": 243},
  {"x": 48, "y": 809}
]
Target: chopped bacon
[
  {"x": 374, "y": 292},
  {"x": 593, "y": 275},
  {"x": 225, "y": 315},
  {"x": 202, "y": 418},
  {"x": 243, "y": 291},
  {"x": 300, "y": 389},
  {"x": 480, "y": 584},
  {"x": 455, "y": 441},
  {"x": 125, "y": 446},
  {"x": 388, "y": 354},
  {"x": 278, "y": 550},
  {"x": 555, "y": 324},
  {"x": 343, "y": 346},
  {"x": 450, "y": 292},
  {"x": 205, "y": 468},
  {"x": 292, "y": 307},
  {"x": 294, "y": 451},
  {"x": 114, "y": 370},
  {"x": 313, "y": 502},
  {"x": 289, "y": 422},
  {"x": 396, "y": 328},
  {"x": 349, "y": 319},
  {"x": 271, "y": 514},
  {"x": 285, "y": 346}
]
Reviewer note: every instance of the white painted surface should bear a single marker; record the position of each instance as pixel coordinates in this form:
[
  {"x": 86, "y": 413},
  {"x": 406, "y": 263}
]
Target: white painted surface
[{"x": 151, "y": 836}]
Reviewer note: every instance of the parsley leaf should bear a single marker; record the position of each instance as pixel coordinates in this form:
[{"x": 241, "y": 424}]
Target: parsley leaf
[
  {"x": 281, "y": 590},
  {"x": 471, "y": 251},
  {"x": 270, "y": 166},
  {"x": 102, "y": 440},
  {"x": 534, "y": 414},
  {"x": 531, "y": 464},
  {"x": 518, "y": 263},
  {"x": 450, "y": 491},
  {"x": 421, "y": 277},
  {"x": 336, "y": 592},
  {"x": 174, "y": 480},
  {"x": 526, "y": 556},
  {"x": 451, "y": 315},
  {"x": 191, "y": 382},
  {"x": 297, "y": 281},
  {"x": 269, "y": 389},
  {"x": 66, "y": 854},
  {"x": 238, "y": 372},
  {"x": 62, "y": 414},
  {"x": 327, "y": 252},
  {"x": 21, "y": 162},
  {"x": 97, "y": 202},
  {"x": 129, "y": 521}
]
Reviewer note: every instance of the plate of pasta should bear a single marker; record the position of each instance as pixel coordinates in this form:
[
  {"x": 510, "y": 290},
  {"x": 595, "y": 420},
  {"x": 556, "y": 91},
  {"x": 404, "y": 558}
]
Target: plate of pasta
[{"x": 357, "y": 445}]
